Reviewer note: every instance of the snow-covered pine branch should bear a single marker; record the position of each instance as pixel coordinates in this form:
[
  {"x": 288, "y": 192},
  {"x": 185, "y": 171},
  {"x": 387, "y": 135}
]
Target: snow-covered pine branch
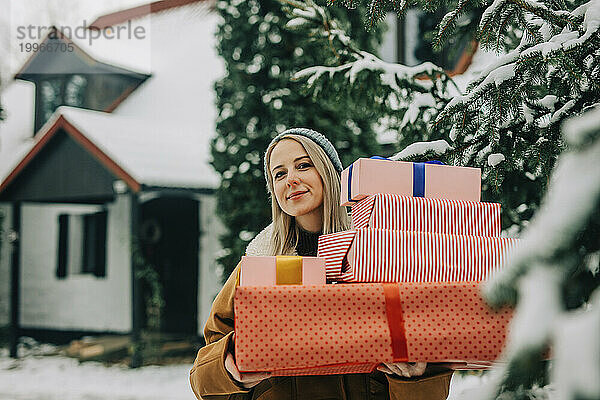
[
  {"x": 448, "y": 23},
  {"x": 492, "y": 15},
  {"x": 434, "y": 148},
  {"x": 493, "y": 80},
  {"x": 354, "y": 70},
  {"x": 310, "y": 16},
  {"x": 552, "y": 51},
  {"x": 389, "y": 73}
]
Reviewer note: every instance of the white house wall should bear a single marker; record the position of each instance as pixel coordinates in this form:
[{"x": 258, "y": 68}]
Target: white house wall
[
  {"x": 209, "y": 276},
  {"x": 5, "y": 210},
  {"x": 77, "y": 302}
]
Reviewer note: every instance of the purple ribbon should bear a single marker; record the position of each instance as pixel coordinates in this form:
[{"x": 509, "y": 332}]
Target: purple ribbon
[{"x": 418, "y": 177}]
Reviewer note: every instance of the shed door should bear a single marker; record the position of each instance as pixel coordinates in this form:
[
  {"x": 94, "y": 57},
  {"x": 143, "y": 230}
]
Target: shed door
[{"x": 169, "y": 233}]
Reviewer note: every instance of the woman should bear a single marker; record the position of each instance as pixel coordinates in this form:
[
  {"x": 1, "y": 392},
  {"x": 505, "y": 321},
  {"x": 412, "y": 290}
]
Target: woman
[{"x": 302, "y": 170}]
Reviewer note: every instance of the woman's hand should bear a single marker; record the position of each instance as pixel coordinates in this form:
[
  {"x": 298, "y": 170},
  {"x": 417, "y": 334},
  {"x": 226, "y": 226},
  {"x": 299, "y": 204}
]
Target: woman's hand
[
  {"x": 406, "y": 370},
  {"x": 247, "y": 379}
]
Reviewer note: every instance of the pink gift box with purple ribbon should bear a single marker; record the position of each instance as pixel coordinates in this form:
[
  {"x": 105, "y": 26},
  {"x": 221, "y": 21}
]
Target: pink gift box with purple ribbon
[{"x": 368, "y": 176}]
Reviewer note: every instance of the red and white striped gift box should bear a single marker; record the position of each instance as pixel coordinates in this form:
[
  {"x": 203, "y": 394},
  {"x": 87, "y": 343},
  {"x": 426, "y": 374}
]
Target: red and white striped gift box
[
  {"x": 458, "y": 217},
  {"x": 383, "y": 255}
]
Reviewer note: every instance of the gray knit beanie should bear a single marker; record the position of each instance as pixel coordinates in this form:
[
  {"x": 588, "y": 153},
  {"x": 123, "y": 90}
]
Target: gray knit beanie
[{"x": 316, "y": 137}]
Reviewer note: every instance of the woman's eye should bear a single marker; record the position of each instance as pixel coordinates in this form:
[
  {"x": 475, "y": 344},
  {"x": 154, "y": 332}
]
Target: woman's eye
[
  {"x": 304, "y": 165},
  {"x": 279, "y": 174}
]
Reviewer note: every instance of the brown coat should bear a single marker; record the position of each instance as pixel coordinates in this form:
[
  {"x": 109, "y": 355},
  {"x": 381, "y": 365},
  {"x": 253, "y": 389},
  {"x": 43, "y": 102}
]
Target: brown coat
[{"x": 210, "y": 380}]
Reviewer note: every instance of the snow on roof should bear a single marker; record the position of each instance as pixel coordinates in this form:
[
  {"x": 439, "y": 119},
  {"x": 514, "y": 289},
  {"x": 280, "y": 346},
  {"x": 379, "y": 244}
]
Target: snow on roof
[
  {"x": 140, "y": 55},
  {"x": 154, "y": 153},
  {"x": 161, "y": 133},
  {"x": 122, "y": 16},
  {"x": 16, "y": 130},
  {"x": 127, "y": 52},
  {"x": 185, "y": 65}
]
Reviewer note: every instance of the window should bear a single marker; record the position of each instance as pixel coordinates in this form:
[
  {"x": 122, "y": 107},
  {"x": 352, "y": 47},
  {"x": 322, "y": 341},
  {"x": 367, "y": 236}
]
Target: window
[
  {"x": 94, "y": 244},
  {"x": 68, "y": 90},
  {"x": 407, "y": 40},
  {"x": 75, "y": 91},
  {"x": 50, "y": 97},
  {"x": 82, "y": 244},
  {"x": 93, "y": 92}
]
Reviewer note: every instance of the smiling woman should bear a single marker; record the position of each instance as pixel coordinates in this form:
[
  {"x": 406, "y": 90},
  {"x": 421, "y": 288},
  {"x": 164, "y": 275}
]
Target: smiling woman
[
  {"x": 297, "y": 186},
  {"x": 302, "y": 170}
]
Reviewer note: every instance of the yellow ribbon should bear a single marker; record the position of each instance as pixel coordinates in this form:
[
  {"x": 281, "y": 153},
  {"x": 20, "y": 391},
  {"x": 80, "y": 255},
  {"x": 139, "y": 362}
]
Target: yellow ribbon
[{"x": 289, "y": 270}]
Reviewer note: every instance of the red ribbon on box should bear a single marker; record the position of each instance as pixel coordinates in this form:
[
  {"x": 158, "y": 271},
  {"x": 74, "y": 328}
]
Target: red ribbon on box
[{"x": 393, "y": 310}]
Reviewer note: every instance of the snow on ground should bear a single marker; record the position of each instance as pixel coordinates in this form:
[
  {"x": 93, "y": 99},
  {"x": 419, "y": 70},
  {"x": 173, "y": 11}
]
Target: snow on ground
[
  {"x": 62, "y": 378},
  {"x": 36, "y": 377}
]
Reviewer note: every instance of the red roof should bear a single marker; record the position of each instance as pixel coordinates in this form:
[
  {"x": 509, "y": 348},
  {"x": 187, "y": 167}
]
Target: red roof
[
  {"x": 44, "y": 138},
  {"x": 137, "y": 12}
]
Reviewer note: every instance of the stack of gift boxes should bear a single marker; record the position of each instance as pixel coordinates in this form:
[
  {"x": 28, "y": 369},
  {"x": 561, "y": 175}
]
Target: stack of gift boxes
[{"x": 407, "y": 276}]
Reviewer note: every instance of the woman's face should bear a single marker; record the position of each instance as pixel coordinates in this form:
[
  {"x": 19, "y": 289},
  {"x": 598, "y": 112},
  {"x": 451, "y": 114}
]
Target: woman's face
[{"x": 297, "y": 185}]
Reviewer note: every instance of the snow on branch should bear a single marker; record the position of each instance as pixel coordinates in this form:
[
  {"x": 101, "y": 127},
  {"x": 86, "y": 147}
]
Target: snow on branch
[
  {"x": 559, "y": 17},
  {"x": 448, "y": 23},
  {"x": 494, "y": 78},
  {"x": 539, "y": 268},
  {"x": 307, "y": 14},
  {"x": 561, "y": 112},
  {"x": 389, "y": 73},
  {"x": 591, "y": 23},
  {"x": 495, "y": 159},
  {"x": 504, "y": 68},
  {"x": 436, "y": 147},
  {"x": 419, "y": 102},
  {"x": 578, "y": 131}
]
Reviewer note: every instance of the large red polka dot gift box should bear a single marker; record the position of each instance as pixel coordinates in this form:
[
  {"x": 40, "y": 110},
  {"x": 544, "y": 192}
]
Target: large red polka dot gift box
[{"x": 334, "y": 329}]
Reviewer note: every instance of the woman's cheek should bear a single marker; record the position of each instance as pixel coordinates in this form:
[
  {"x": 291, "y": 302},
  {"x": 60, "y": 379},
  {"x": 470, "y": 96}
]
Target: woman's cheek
[{"x": 280, "y": 195}]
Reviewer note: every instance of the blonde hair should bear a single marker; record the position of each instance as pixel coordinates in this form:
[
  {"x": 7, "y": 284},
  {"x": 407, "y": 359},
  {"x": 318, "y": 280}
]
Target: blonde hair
[{"x": 335, "y": 217}]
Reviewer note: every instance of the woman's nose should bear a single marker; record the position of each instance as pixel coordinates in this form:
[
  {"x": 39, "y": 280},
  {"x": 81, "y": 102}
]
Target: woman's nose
[{"x": 292, "y": 179}]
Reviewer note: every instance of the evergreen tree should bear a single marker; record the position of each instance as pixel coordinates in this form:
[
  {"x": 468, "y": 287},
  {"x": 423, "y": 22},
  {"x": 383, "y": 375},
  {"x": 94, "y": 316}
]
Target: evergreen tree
[
  {"x": 257, "y": 99},
  {"x": 554, "y": 275},
  {"x": 397, "y": 96},
  {"x": 508, "y": 123}
]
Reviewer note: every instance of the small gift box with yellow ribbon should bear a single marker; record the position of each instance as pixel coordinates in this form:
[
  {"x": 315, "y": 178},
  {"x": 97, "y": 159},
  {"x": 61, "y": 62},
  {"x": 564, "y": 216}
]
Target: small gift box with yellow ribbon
[{"x": 282, "y": 270}]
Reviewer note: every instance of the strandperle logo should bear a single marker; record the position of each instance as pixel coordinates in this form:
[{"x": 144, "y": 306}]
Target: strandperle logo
[
  {"x": 125, "y": 43},
  {"x": 82, "y": 32}
]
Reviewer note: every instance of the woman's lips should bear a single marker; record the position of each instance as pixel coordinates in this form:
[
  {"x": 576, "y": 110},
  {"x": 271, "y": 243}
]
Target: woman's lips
[{"x": 297, "y": 195}]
